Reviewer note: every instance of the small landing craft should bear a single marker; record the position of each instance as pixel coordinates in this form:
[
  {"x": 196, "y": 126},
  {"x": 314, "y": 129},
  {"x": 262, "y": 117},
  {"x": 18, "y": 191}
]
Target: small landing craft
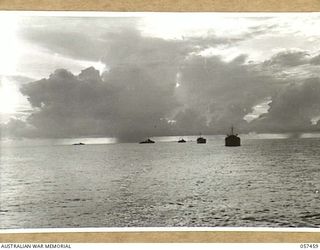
[
  {"x": 146, "y": 141},
  {"x": 201, "y": 140}
]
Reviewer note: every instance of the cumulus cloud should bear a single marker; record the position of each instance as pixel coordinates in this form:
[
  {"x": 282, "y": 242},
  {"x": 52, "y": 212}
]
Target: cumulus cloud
[{"x": 127, "y": 105}]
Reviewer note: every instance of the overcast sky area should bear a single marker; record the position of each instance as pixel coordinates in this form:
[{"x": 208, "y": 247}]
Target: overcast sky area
[{"x": 135, "y": 76}]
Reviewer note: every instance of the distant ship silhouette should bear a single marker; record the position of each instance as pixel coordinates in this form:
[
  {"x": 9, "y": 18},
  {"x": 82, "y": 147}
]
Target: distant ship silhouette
[
  {"x": 232, "y": 140},
  {"x": 201, "y": 140},
  {"x": 147, "y": 141},
  {"x": 78, "y": 144},
  {"x": 181, "y": 141}
]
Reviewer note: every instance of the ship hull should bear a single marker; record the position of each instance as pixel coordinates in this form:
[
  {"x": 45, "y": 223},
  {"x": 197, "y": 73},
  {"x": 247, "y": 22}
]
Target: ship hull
[
  {"x": 232, "y": 141},
  {"x": 201, "y": 141}
]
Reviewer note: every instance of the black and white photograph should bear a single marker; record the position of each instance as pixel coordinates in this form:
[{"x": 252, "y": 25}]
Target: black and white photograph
[{"x": 159, "y": 120}]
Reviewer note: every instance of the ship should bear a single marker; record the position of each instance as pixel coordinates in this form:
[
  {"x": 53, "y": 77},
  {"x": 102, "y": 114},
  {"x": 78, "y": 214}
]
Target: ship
[
  {"x": 232, "y": 140},
  {"x": 147, "y": 141},
  {"x": 201, "y": 140},
  {"x": 78, "y": 144},
  {"x": 182, "y": 141}
]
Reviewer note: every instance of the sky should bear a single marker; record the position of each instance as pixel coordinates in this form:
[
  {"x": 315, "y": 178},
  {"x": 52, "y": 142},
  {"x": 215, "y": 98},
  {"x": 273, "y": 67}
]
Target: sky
[{"x": 136, "y": 75}]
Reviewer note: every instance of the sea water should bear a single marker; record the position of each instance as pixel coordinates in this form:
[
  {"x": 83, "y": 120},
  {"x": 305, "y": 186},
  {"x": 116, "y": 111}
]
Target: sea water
[{"x": 263, "y": 183}]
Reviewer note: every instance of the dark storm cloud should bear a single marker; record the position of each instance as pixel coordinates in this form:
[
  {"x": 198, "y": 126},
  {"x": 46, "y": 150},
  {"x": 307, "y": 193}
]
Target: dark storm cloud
[
  {"x": 126, "y": 106},
  {"x": 296, "y": 102},
  {"x": 134, "y": 98},
  {"x": 137, "y": 96},
  {"x": 292, "y": 109},
  {"x": 224, "y": 91},
  {"x": 67, "y": 105},
  {"x": 133, "y": 101},
  {"x": 189, "y": 122},
  {"x": 293, "y": 58},
  {"x": 315, "y": 60},
  {"x": 289, "y": 58}
]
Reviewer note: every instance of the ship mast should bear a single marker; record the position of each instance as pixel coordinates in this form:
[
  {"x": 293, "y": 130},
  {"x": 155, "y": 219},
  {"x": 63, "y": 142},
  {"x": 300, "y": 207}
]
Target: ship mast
[{"x": 232, "y": 130}]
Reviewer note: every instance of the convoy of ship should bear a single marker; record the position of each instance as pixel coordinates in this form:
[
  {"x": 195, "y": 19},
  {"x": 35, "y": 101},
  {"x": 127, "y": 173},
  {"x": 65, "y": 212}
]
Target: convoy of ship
[{"x": 232, "y": 140}]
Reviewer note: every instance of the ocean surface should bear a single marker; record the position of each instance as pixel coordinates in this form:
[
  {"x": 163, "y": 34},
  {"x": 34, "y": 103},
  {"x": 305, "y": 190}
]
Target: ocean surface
[{"x": 263, "y": 183}]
